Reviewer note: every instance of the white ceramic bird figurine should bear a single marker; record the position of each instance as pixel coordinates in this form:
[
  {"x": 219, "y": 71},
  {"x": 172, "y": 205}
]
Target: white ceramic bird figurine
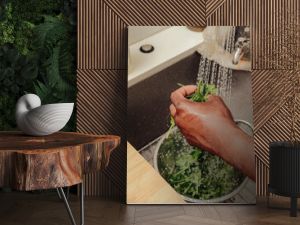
[{"x": 40, "y": 120}]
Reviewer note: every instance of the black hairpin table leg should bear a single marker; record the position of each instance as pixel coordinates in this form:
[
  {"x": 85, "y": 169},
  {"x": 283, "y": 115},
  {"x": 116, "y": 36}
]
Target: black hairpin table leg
[{"x": 62, "y": 195}]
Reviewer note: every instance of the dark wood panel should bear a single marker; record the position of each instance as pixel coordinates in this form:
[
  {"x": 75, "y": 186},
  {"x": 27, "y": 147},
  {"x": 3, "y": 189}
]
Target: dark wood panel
[
  {"x": 229, "y": 12},
  {"x": 102, "y": 37},
  {"x": 101, "y": 109},
  {"x": 156, "y": 12}
]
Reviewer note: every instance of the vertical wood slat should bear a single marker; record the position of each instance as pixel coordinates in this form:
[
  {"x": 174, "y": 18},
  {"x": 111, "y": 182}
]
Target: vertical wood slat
[
  {"x": 102, "y": 37},
  {"x": 269, "y": 33},
  {"x": 262, "y": 177},
  {"x": 101, "y": 107}
]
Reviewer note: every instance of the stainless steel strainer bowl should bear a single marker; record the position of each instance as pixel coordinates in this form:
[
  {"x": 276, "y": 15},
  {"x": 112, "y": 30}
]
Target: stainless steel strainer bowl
[{"x": 247, "y": 128}]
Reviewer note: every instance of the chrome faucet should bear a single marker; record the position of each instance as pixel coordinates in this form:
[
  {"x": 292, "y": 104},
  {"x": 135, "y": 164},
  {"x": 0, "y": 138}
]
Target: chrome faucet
[{"x": 242, "y": 45}]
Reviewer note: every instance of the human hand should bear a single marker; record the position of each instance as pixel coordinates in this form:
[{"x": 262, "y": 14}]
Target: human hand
[
  {"x": 210, "y": 126},
  {"x": 203, "y": 124}
]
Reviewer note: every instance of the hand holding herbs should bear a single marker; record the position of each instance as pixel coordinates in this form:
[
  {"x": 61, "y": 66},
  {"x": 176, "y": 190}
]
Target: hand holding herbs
[
  {"x": 200, "y": 95},
  {"x": 207, "y": 124},
  {"x": 204, "y": 123}
]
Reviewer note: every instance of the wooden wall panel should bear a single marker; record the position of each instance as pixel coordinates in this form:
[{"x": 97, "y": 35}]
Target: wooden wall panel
[
  {"x": 160, "y": 12},
  {"x": 273, "y": 78},
  {"x": 102, "y": 37},
  {"x": 230, "y": 13},
  {"x": 102, "y": 59},
  {"x": 101, "y": 109},
  {"x": 212, "y": 6},
  {"x": 270, "y": 42},
  {"x": 270, "y": 92}
]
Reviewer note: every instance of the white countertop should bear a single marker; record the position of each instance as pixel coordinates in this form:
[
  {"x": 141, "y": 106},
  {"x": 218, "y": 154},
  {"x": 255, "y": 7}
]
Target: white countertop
[{"x": 170, "y": 46}]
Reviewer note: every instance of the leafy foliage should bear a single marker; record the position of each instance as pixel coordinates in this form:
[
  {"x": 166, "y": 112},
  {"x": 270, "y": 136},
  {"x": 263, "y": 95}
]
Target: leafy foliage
[
  {"x": 195, "y": 173},
  {"x": 17, "y": 73},
  {"x": 53, "y": 42},
  {"x": 14, "y": 31},
  {"x": 33, "y": 10},
  {"x": 7, "y": 119},
  {"x": 56, "y": 62},
  {"x": 37, "y": 46}
]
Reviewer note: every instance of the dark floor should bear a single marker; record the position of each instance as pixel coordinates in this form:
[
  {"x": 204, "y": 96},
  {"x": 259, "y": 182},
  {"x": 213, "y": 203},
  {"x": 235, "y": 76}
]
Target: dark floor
[{"x": 46, "y": 209}]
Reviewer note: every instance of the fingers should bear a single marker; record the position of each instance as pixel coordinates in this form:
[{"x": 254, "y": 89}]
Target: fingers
[
  {"x": 172, "y": 110},
  {"x": 187, "y": 90},
  {"x": 180, "y": 94}
]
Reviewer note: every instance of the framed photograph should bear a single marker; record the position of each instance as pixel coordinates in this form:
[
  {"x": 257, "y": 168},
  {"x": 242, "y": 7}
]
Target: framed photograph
[{"x": 190, "y": 117}]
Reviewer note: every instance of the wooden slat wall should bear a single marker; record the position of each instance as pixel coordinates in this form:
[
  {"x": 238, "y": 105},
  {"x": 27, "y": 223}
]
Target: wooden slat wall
[
  {"x": 102, "y": 37},
  {"x": 230, "y": 13},
  {"x": 272, "y": 78},
  {"x": 212, "y": 6},
  {"x": 268, "y": 19},
  {"x": 101, "y": 109},
  {"x": 102, "y": 63},
  {"x": 159, "y": 12}
]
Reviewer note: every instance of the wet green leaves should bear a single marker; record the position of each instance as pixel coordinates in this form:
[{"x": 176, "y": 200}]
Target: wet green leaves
[{"x": 195, "y": 173}]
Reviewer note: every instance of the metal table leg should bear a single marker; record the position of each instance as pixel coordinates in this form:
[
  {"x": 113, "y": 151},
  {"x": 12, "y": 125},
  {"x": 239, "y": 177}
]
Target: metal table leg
[
  {"x": 67, "y": 193},
  {"x": 81, "y": 204},
  {"x": 62, "y": 195},
  {"x": 293, "y": 210}
]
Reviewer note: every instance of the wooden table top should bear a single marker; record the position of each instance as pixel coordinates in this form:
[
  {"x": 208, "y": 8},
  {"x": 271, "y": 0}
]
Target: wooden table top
[
  {"x": 57, "y": 160},
  {"x": 145, "y": 185}
]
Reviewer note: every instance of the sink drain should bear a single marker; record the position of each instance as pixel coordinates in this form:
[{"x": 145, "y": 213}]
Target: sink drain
[{"x": 147, "y": 48}]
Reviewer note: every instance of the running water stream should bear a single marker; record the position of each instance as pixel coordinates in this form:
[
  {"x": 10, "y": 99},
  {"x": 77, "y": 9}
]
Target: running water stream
[{"x": 211, "y": 72}]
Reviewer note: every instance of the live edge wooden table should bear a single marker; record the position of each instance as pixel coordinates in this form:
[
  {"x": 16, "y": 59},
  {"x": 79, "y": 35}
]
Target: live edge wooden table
[{"x": 52, "y": 162}]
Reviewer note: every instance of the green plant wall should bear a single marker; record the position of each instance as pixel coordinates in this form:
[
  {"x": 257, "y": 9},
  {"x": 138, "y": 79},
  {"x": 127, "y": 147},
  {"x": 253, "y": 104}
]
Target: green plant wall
[{"x": 37, "y": 54}]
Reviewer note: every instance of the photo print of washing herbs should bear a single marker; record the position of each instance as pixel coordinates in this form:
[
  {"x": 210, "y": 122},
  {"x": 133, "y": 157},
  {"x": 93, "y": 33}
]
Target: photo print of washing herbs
[
  {"x": 37, "y": 54},
  {"x": 198, "y": 140}
]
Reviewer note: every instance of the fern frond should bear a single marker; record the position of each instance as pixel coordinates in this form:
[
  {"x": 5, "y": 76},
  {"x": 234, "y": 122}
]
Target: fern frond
[{"x": 49, "y": 33}]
